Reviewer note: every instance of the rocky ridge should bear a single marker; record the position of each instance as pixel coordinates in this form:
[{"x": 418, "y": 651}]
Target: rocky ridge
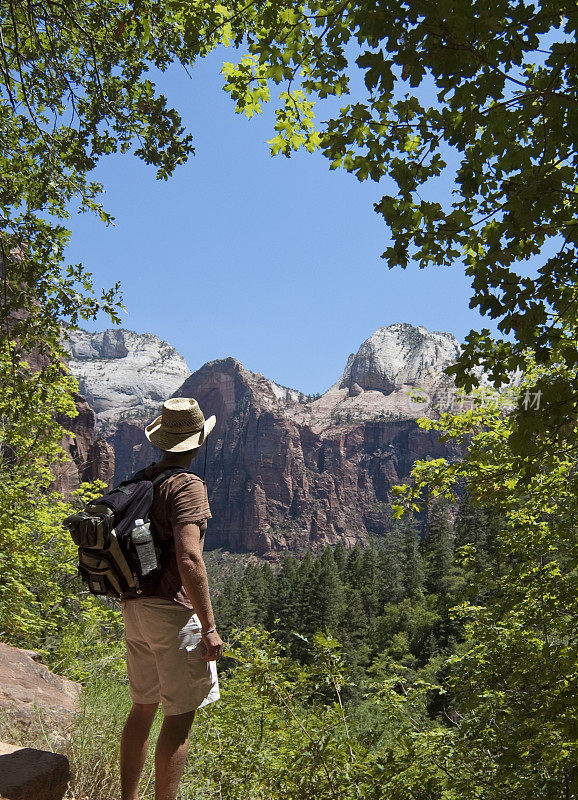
[
  {"x": 291, "y": 477},
  {"x": 87, "y": 455},
  {"x": 123, "y": 374},
  {"x": 397, "y": 374},
  {"x": 286, "y": 472},
  {"x": 90, "y": 456}
]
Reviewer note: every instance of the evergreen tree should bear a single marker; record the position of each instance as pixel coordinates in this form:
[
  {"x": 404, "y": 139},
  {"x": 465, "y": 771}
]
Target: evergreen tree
[
  {"x": 340, "y": 556},
  {"x": 354, "y": 628},
  {"x": 269, "y": 577},
  {"x": 477, "y": 531},
  {"x": 258, "y": 581},
  {"x": 354, "y": 567},
  {"x": 243, "y": 608},
  {"x": 285, "y": 606},
  {"x": 413, "y": 564},
  {"x": 390, "y": 559},
  {"x": 421, "y": 620},
  {"x": 472, "y": 524},
  {"x": 370, "y": 584},
  {"x": 223, "y": 606},
  {"x": 438, "y": 548},
  {"x": 322, "y": 593}
]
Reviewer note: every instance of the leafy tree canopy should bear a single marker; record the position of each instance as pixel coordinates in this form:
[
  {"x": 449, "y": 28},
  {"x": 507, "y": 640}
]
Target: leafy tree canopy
[
  {"x": 514, "y": 687},
  {"x": 481, "y": 96},
  {"x": 73, "y": 88}
]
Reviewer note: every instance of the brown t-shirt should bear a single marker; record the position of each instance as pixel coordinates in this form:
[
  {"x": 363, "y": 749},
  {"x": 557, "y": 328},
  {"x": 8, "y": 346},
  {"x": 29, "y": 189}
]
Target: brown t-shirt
[{"x": 178, "y": 499}]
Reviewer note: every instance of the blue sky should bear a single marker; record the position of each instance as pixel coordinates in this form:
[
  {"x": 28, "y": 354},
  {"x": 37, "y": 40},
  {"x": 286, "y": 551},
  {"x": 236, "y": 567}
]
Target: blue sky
[{"x": 274, "y": 261}]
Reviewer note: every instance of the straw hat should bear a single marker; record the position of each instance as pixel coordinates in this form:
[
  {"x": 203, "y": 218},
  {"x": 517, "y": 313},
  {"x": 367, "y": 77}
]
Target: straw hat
[{"x": 181, "y": 426}]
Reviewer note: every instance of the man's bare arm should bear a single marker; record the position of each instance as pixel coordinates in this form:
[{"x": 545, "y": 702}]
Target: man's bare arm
[{"x": 189, "y": 551}]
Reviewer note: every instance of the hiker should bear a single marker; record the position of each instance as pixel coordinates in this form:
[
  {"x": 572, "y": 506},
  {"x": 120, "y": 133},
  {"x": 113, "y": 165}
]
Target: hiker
[{"x": 171, "y": 638}]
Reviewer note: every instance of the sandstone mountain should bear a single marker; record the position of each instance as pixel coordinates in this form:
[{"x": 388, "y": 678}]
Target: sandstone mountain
[
  {"x": 399, "y": 356},
  {"x": 124, "y": 374},
  {"x": 286, "y": 472},
  {"x": 121, "y": 374}
]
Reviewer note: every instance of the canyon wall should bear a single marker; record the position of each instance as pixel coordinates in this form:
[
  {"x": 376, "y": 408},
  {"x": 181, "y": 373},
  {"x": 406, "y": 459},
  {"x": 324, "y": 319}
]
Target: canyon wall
[{"x": 286, "y": 472}]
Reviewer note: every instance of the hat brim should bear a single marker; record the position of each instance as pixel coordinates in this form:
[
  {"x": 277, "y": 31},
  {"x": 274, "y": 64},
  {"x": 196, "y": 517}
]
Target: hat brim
[{"x": 177, "y": 442}]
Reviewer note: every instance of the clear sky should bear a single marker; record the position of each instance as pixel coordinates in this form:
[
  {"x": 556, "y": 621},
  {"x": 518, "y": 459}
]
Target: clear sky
[{"x": 274, "y": 261}]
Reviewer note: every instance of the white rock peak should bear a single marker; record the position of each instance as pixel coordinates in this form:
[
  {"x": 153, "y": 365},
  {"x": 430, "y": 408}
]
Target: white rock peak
[
  {"x": 127, "y": 375},
  {"x": 400, "y": 355},
  {"x": 124, "y": 374}
]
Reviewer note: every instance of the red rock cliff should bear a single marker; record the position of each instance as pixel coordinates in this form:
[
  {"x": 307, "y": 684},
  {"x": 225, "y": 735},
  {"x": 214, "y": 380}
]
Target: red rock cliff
[
  {"x": 288, "y": 473},
  {"x": 289, "y": 476}
]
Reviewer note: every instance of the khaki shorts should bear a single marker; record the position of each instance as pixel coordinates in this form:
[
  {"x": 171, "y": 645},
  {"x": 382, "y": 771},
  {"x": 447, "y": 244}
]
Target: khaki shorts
[{"x": 164, "y": 656}]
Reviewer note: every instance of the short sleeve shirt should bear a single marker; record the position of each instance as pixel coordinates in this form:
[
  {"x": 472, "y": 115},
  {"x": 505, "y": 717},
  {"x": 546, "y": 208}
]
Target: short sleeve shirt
[{"x": 177, "y": 500}]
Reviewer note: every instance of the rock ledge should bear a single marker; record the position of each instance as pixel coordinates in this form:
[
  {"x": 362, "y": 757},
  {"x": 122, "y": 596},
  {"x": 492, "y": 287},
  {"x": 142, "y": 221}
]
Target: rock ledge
[{"x": 27, "y": 773}]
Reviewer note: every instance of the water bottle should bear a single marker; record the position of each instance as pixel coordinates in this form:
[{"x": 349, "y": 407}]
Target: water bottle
[{"x": 145, "y": 549}]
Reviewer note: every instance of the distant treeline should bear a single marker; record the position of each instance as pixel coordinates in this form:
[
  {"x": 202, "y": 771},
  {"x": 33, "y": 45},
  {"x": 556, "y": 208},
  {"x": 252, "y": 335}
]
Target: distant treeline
[{"x": 388, "y": 603}]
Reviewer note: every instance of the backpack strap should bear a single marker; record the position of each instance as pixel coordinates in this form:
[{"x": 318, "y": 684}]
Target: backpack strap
[
  {"x": 166, "y": 473},
  {"x": 158, "y": 479}
]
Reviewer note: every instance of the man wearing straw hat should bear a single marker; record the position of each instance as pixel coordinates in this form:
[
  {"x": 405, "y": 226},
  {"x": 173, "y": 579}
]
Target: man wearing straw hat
[{"x": 171, "y": 648}]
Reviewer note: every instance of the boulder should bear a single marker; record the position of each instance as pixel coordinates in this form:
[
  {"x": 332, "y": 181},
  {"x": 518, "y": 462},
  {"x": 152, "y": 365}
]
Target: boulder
[
  {"x": 26, "y": 773},
  {"x": 32, "y": 697}
]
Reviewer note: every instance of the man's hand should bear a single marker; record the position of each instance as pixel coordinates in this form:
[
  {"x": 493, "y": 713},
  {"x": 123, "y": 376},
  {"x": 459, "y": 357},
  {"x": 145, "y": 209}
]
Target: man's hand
[{"x": 213, "y": 646}]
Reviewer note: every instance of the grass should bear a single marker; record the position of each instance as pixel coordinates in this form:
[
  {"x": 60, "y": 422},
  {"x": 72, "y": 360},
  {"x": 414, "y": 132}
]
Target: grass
[{"x": 93, "y": 747}]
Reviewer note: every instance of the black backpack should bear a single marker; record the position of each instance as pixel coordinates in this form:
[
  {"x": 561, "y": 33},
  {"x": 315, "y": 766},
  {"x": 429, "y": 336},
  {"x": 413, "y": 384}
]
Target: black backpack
[{"x": 115, "y": 554}]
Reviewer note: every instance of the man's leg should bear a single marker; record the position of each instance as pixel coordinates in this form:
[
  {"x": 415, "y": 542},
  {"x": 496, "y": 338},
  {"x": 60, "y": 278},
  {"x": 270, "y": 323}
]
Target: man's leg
[
  {"x": 134, "y": 746},
  {"x": 171, "y": 754}
]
